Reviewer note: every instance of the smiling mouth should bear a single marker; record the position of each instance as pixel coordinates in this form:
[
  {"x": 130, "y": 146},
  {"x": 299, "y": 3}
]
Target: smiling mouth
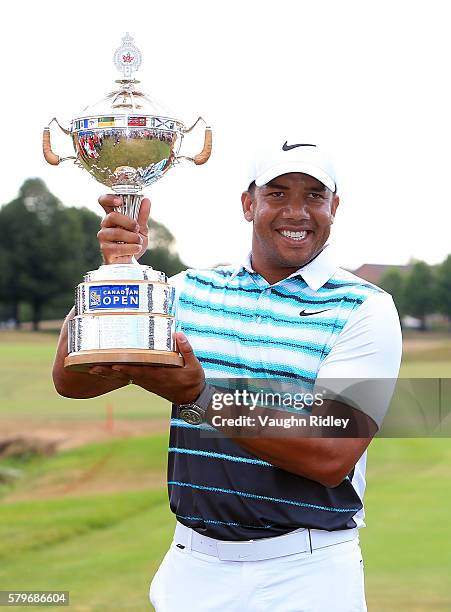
[{"x": 298, "y": 236}]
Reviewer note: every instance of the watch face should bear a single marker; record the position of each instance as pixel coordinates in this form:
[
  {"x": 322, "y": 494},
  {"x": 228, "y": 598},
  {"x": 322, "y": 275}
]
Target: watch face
[{"x": 190, "y": 415}]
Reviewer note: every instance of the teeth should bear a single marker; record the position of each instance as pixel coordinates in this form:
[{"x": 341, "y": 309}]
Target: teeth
[{"x": 294, "y": 235}]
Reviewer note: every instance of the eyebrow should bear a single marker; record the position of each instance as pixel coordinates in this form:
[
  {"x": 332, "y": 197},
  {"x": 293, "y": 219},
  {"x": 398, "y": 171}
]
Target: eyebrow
[
  {"x": 273, "y": 185},
  {"x": 319, "y": 187}
]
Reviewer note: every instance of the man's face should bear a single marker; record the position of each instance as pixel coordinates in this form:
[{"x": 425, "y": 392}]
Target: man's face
[{"x": 292, "y": 215}]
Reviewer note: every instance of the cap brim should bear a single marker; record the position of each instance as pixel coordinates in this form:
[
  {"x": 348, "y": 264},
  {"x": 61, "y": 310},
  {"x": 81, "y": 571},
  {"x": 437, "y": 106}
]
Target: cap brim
[{"x": 295, "y": 166}]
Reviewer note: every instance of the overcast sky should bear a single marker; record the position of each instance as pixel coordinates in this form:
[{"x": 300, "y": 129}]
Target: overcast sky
[{"x": 370, "y": 80}]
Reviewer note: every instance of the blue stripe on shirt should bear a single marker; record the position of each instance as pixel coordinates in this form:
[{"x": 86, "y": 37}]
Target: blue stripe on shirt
[
  {"x": 262, "y": 497},
  {"x": 216, "y": 522},
  {"x": 242, "y": 312},
  {"x": 308, "y": 347},
  {"x": 211, "y": 455}
]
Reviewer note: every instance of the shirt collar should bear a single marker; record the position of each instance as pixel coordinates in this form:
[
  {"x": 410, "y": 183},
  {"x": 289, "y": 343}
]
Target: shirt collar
[{"x": 316, "y": 273}]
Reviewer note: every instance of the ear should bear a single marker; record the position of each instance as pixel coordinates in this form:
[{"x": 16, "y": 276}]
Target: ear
[
  {"x": 247, "y": 204},
  {"x": 333, "y": 208}
]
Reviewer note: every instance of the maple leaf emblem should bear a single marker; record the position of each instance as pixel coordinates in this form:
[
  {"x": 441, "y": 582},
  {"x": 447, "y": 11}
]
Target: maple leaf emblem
[{"x": 128, "y": 58}]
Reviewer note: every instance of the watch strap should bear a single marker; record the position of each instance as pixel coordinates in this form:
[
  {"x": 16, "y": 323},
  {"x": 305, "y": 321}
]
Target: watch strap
[{"x": 204, "y": 399}]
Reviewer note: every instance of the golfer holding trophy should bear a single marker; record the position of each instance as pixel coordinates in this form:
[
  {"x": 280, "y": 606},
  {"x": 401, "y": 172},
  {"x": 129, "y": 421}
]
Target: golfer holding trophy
[
  {"x": 124, "y": 312},
  {"x": 266, "y": 520}
]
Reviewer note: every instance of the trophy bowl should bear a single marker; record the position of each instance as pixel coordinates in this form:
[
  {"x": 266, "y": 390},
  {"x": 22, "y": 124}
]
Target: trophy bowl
[
  {"x": 124, "y": 312},
  {"x": 126, "y": 141}
]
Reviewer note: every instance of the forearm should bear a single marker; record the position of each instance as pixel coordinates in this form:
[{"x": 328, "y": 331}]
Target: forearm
[
  {"x": 77, "y": 385},
  {"x": 311, "y": 458},
  {"x": 325, "y": 455}
]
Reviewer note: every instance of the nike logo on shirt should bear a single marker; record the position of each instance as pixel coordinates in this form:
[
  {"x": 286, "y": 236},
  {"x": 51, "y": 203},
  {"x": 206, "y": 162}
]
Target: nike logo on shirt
[
  {"x": 287, "y": 147},
  {"x": 308, "y": 314}
]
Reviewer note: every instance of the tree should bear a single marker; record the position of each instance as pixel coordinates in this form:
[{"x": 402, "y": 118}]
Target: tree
[
  {"x": 161, "y": 253},
  {"x": 394, "y": 283},
  {"x": 16, "y": 240},
  {"x": 443, "y": 275},
  {"x": 9, "y": 290},
  {"x": 46, "y": 248},
  {"x": 87, "y": 225},
  {"x": 420, "y": 297}
]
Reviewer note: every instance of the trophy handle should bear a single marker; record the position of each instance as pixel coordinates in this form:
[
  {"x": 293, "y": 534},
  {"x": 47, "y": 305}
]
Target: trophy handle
[
  {"x": 49, "y": 156},
  {"x": 204, "y": 155}
]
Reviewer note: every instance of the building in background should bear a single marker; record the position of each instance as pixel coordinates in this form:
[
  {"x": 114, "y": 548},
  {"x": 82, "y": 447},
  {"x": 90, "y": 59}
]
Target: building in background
[{"x": 374, "y": 272}]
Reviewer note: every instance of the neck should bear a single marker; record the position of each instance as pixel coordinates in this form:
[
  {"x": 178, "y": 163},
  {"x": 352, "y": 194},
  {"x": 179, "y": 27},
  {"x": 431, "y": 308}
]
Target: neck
[{"x": 274, "y": 275}]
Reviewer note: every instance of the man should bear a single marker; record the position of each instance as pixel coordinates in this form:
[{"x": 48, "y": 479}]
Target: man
[{"x": 268, "y": 521}]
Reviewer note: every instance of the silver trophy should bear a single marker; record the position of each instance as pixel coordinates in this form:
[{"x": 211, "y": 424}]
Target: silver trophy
[{"x": 124, "y": 313}]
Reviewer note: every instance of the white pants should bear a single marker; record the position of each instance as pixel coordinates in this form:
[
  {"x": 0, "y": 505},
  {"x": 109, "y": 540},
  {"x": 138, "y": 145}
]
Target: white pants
[{"x": 328, "y": 580}]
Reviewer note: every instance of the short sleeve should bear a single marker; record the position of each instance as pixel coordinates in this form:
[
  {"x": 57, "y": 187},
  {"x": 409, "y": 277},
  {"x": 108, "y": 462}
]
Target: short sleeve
[
  {"x": 177, "y": 282},
  {"x": 363, "y": 365}
]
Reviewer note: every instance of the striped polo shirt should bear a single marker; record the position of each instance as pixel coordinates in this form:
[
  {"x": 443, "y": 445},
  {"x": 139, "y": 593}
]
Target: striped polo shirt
[{"x": 239, "y": 325}]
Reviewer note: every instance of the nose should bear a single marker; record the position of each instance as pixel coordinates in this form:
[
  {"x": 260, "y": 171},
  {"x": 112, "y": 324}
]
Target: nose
[{"x": 296, "y": 208}]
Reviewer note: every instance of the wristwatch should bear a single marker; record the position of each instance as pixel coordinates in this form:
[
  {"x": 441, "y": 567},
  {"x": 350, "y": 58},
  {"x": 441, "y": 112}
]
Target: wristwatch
[{"x": 194, "y": 412}]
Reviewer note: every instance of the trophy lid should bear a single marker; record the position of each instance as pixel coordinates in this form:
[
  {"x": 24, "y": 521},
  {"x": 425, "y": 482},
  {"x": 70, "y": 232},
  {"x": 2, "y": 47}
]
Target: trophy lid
[{"x": 127, "y": 99}]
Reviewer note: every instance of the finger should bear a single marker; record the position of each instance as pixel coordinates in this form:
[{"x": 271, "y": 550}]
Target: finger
[
  {"x": 135, "y": 373},
  {"x": 186, "y": 350},
  {"x": 148, "y": 372},
  {"x": 99, "y": 371},
  {"x": 109, "y": 202},
  {"x": 112, "y": 251},
  {"x": 115, "y": 219},
  {"x": 106, "y": 372},
  {"x": 118, "y": 234},
  {"x": 143, "y": 216}
]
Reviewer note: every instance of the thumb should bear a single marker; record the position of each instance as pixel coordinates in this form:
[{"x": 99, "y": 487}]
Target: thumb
[
  {"x": 143, "y": 216},
  {"x": 185, "y": 349}
]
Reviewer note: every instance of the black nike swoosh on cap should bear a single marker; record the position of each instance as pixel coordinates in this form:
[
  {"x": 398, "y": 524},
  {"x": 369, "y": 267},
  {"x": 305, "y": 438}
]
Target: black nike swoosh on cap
[
  {"x": 287, "y": 147},
  {"x": 308, "y": 314}
]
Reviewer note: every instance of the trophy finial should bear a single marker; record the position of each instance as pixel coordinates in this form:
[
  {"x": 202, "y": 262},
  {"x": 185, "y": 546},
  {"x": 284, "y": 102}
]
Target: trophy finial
[{"x": 127, "y": 57}]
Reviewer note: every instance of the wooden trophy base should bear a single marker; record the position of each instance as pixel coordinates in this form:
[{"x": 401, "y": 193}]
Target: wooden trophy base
[{"x": 83, "y": 360}]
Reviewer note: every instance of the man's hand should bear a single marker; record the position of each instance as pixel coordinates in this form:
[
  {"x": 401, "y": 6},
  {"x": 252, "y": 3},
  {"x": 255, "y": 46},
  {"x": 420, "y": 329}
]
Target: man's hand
[
  {"x": 117, "y": 228},
  {"x": 178, "y": 385}
]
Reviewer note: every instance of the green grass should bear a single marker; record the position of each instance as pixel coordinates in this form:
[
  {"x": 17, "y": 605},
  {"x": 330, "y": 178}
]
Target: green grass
[
  {"x": 26, "y": 388},
  {"x": 102, "y": 549},
  {"x": 131, "y": 463},
  {"x": 426, "y": 369},
  {"x": 407, "y": 559},
  {"x": 431, "y": 361}
]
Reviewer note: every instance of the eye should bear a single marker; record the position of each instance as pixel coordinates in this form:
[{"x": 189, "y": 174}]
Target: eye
[
  {"x": 315, "y": 195},
  {"x": 276, "y": 194}
]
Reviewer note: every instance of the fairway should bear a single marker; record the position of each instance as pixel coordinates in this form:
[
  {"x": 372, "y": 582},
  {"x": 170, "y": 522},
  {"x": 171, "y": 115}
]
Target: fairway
[
  {"x": 94, "y": 519},
  {"x": 27, "y": 390}
]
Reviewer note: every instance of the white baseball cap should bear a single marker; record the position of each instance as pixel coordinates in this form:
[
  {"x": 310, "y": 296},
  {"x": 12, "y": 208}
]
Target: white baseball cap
[{"x": 287, "y": 156}]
